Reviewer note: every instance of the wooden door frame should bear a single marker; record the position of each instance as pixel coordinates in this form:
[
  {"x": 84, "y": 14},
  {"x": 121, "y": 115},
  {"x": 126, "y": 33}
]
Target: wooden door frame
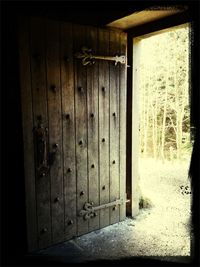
[{"x": 132, "y": 136}]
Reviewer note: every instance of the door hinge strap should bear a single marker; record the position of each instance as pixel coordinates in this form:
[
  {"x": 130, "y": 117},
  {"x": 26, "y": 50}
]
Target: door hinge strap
[
  {"x": 89, "y": 210},
  {"x": 89, "y": 59}
]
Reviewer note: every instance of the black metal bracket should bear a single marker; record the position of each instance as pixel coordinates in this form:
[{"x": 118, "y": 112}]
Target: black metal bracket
[
  {"x": 89, "y": 211},
  {"x": 89, "y": 59},
  {"x": 43, "y": 158}
]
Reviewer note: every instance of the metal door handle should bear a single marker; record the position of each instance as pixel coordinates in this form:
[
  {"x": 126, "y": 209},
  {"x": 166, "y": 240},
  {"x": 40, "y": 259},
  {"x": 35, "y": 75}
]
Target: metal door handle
[
  {"x": 40, "y": 138},
  {"x": 44, "y": 159}
]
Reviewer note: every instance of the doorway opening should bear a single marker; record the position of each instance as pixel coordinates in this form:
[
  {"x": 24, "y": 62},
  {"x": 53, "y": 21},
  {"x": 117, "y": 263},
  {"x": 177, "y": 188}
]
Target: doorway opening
[{"x": 163, "y": 143}]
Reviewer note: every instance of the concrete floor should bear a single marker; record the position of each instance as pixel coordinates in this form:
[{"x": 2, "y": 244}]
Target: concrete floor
[{"x": 118, "y": 242}]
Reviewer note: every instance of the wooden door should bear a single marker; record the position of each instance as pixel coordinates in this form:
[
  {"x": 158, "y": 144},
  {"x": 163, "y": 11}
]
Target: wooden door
[{"x": 74, "y": 129}]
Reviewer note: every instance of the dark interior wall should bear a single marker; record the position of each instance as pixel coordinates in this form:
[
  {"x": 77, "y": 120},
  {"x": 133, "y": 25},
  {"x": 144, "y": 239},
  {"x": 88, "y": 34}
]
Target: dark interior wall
[
  {"x": 96, "y": 13},
  {"x": 12, "y": 179}
]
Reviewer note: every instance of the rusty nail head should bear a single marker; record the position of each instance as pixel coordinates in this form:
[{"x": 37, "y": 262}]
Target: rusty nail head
[
  {"x": 57, "y": 199},
  {"x": 80, "y": 89},
  {"x": 39, "y": 117},
  {"x": 70, "y": 222},
  {"x": 66, "y": 59},
  {"x": 53, "y": 88},
  {"x": 44, "y": 230}
]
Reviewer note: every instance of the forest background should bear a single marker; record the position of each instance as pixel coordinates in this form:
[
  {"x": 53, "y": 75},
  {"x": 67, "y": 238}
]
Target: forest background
[{"x": 165, "y": 95}]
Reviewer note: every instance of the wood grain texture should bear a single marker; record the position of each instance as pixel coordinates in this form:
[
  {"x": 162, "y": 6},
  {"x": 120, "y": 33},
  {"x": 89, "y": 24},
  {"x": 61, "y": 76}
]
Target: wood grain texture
[
  {"x": 38, "y": 79},
  {"x": 55, "y": 127},
  {"x": 81, "y": 129},
  {"x": 68, "y": 119},
  {"x": 27, "y": 122},
  {"x": 84, "y": 109},
  {"x": 129, "y": 109},
  {"x": 122, "y": 125},
  {"x": 104, "y": 183},
  {"x": 92, "y": 119},
  {"x": 114, "y": 126}
]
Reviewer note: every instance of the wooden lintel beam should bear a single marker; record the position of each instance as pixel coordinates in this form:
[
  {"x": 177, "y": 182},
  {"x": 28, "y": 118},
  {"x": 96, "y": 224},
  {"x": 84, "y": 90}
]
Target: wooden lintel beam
[{"x": 160, "y": 24}]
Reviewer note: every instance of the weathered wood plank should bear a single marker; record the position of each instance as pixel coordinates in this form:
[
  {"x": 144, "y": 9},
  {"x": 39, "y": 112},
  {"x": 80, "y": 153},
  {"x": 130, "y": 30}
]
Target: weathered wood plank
[
  {"x": 84, "y": 110},
  {"x": 81, "y": 128},
  {"x": 67, "y": 85},
  {"x": 129, "y": 123},
  {"x": 38, "y": 75},
  {"x": 135, "y": 131},
  {"x": 27, "y": 122},
  {"x": 122, "y": 125},
  {"x": 92, "y": 117},
  {"x": 104, "y": 183},
  {"x": 55, "y": 128},
  {"x": 114, "y": 126}
]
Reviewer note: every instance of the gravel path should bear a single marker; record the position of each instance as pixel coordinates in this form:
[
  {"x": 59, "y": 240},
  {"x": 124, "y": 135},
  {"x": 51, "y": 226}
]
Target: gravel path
[{"x": 163, "y": 230}]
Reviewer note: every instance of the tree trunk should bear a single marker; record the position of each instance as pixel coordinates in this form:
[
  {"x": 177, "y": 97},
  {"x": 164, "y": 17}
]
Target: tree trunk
[{"x": 163, "y": 124}]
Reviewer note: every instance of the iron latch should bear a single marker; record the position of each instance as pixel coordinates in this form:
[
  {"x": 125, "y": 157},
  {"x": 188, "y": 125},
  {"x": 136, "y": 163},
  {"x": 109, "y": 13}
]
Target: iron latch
[
  {"x": 44, "y": 158},
  {"x": 89, "y": 59},
  {"x": 89, "y": 210}
]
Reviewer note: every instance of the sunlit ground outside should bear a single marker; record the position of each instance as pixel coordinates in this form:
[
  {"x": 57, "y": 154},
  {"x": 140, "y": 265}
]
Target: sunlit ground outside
[
  {"x": 165, "y": 141},
  {"x": 167, "y": 187}
]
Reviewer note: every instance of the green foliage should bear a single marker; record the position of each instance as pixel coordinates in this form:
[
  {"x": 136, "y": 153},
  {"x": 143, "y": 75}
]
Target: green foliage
[{"x": 145, "y": 203}]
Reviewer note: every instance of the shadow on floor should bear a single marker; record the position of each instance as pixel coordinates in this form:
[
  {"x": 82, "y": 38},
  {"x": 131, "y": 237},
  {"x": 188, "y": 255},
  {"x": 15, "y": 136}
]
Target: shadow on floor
[
  {"x": 33, "y": 260},
  {"x": 70, "y": 254}
]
